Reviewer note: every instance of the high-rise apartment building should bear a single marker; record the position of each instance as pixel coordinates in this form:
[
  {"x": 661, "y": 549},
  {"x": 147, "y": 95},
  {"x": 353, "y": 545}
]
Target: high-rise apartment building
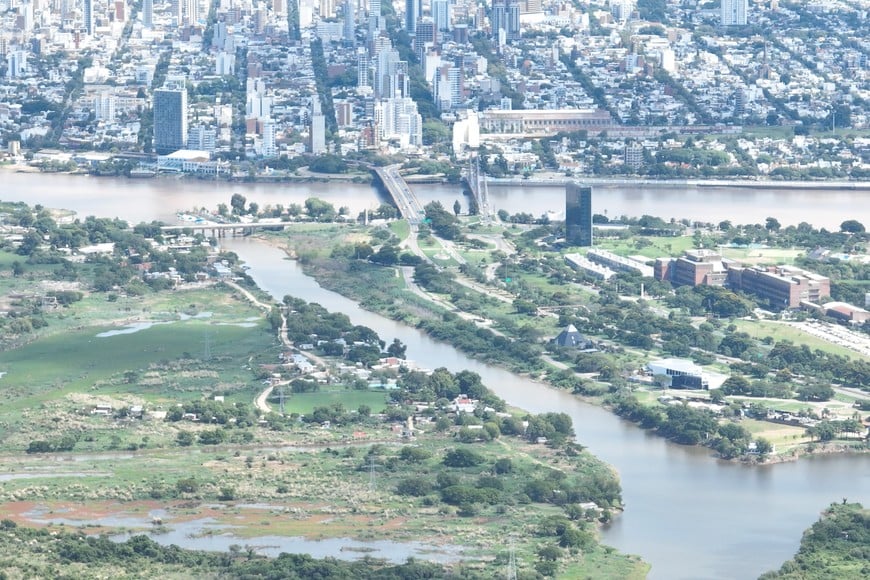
[
  {"x": 362, "y": 68},
  {"x": 317, "y": 130},
  {"x": 104, "y": 107},
  {"x": 148, "y": 13},
  {"x": 170, "y": 118},
  {"x": 512, "y": 19},
  {"x": 441, "y": 14},
  {"x": 413, "y": 11},
  {"x": 734, "y": 12},
  {"x": 88, "y": 16},
  {"x": 578, "y": 215}
]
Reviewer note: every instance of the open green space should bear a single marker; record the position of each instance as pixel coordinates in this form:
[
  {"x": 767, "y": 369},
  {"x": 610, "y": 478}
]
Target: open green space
[
  {"x": 781, "y": 331},
  {"x": 762, "y": 255},
  {"x": 649, "y": 246},
  {"x": 401, "y": 229},
  {"x": 350, "y": 399}
]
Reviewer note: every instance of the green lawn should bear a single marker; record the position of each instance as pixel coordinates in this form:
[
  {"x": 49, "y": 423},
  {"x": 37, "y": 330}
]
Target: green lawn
[
  {"x": 657, "y": 248},
  {"x": 303, "y": 403},
  {"x": 401, "y": 229},
  {"x": 76, "y": 360}
]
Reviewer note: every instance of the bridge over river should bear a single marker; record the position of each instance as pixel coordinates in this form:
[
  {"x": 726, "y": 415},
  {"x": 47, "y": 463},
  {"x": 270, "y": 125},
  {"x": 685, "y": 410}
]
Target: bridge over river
[{"x": 408, "y": 204}]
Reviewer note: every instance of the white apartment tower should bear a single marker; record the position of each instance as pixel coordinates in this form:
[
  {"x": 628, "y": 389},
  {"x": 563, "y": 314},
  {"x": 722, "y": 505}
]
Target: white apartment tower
[
  {"x": 734, "y": 12},
  {"x": 148, "y": 13},
  {"x": 104, "y": 107},
  {"x": 317, "y": 131}
]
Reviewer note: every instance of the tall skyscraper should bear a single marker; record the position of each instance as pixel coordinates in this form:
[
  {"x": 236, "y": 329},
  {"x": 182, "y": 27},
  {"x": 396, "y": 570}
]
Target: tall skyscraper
[
  {"x": 349, "y": 16},
  {"x": 497, "y": 17},
  {"x": 317, "y": 131},
  {"x": 293, "y": 20},
  {"x": 441, "y": 14},
  {"x": 578, "y": 215},
  {"x": 362, "y": 68},
  {"x": 413, "y": 11},
  {"x": 734, "y": 12},
  {"x": 512, "y": 19},
  {"x": 170, "y": 118},
  {"x": 88, "y": 16},
  {"x": 148, "y": 13}
]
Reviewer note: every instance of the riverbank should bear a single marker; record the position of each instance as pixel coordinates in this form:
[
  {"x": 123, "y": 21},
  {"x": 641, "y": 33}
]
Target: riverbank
[
  {"x": 661, "y": 480},
  {"x": 538, "y": 179},
  {"x": 377, "y": 290}
]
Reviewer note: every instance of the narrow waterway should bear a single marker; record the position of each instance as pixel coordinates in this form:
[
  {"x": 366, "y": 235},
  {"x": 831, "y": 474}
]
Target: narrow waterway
[{"x": 688, "y": 514}]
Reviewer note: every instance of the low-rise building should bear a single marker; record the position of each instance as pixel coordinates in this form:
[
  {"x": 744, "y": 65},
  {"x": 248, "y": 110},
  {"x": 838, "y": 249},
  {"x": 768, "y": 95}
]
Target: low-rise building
[
  {"x": 678, "y": 373},
  {"x": 619, "y": 263}
]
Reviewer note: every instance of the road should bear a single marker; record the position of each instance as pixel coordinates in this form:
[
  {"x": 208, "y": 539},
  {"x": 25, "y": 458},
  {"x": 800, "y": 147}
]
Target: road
[
  {"x": 408, "y": 276},
  {"x": 260, "y": 402},
  {"x": 409, "y": 205}
]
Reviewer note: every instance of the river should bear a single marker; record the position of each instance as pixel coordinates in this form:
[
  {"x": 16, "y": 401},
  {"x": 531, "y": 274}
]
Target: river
[
  {"x": 688, "y": 514},
  {"x": 159, "y": 198}
]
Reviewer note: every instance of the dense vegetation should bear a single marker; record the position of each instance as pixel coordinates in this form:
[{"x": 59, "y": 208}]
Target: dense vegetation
[{"x": 837, "y": 546}]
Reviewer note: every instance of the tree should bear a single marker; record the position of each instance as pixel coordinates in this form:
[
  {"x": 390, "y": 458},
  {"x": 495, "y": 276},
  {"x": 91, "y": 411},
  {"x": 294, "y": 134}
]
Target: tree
[
  {"x": 772, "y": 224},
  {"x": 735, "y": 385},
  {"x": 237, "y": 202},
  {"x": 462, "y": 458},
  {"x": 17, "y": 269},
  {"x": 320, "y": 210},
  {"x": 763, "y": 446},
  {"x": 457, "y": 207},
  {"x": 852, "y": 227},
  {"x": 397, "y": 349},
  {"x": 188, "y": 485},
  {"x": 184, "y": 438}
]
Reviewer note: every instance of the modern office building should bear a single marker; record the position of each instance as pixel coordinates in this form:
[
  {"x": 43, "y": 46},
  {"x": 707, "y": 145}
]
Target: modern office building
[
  {"x": 578, "y": 215},
  {"x": 780, "y": 286},
  {"x": 734, "y": 12},
  {"x": 148, "y": 13},
  {"x": 620, "y": 263},
  {"x": 170, "y": 119},
  {"x": 512, "y": 20},
  {"x": 497, "y": 18},
  {"x": 349, "y": 22},
  {"x": 696, "y": 267}
]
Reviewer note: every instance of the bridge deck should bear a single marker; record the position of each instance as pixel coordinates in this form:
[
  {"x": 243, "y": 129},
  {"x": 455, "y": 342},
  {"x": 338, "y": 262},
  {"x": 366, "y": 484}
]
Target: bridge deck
[{"x": 408, "y": 204}]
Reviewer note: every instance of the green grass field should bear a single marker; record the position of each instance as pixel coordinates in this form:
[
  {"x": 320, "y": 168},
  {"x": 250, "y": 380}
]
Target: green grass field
[
  {"x": 401, "y": 229},
  {"x": 657, "y": 248},
  {"x": 304, "y": 403},
  {"x": 76, "y": 360}
]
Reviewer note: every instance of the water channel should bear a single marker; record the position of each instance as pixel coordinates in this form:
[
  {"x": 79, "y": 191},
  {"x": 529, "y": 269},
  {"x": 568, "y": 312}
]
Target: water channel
[{"x": 688, "y": 514}]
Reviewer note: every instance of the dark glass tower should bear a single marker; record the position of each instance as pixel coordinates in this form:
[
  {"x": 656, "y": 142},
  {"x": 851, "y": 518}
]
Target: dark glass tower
[{"x": 578, "y": 215}]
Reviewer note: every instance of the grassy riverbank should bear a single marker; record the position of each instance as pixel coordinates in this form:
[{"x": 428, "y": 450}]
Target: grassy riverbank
[{"x": 507, "y": 318}]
